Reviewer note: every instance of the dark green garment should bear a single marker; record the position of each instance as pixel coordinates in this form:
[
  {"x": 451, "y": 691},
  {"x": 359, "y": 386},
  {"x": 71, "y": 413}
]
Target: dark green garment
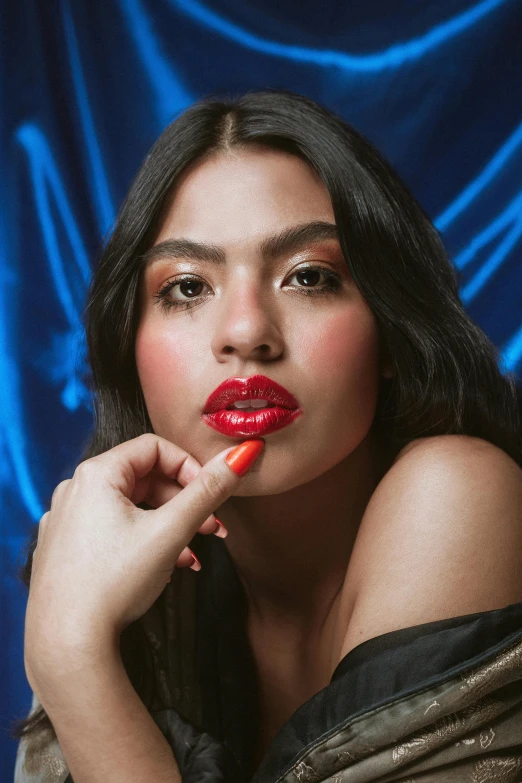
[
  {"x": 435, "y": 702},
  {"x": 439, "y": 701}
]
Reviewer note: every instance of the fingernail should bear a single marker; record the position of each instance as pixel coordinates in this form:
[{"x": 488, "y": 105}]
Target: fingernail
[
  {"x": 195, "y": 565},
  {"x": 220, "y": 531},
  {"x": 244, "y": 456}
]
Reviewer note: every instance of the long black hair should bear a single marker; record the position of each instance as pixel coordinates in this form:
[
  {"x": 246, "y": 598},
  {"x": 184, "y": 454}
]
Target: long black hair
[{"x": 446, "y": 370}]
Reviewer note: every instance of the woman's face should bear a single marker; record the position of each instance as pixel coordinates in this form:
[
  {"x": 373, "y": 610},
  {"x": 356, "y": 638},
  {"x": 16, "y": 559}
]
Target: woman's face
[{"x": 252, "y": 315}]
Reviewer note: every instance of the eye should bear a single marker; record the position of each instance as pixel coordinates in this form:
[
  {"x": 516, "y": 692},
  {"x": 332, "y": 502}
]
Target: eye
[
  {"x": 310, "y": 275},
  {"x": 188, "y": 286}
]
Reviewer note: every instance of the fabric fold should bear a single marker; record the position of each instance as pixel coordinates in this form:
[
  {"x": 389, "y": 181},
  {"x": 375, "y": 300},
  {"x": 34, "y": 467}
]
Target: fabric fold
[
  {"x": 441, "y": 698},
  {"x": 439, "y": 702},
  {"x": 199, "y": 756}
]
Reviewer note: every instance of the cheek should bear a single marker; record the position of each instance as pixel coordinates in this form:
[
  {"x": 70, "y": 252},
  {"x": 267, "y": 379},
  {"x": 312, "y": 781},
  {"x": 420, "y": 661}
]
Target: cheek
[
  {"x": 344, "y": 351},
  {"x": 343, "y": 357},
  {"x": 162, "y": 363}
]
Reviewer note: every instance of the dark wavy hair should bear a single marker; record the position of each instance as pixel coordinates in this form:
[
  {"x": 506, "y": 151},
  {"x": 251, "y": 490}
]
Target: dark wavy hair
[{"x": 446, "y": 370}]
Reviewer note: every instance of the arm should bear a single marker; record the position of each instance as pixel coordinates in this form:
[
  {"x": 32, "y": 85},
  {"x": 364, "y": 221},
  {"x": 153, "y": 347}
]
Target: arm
[
  {"x": 102, "y": 726},
  {"x": 100, "y": 563}
]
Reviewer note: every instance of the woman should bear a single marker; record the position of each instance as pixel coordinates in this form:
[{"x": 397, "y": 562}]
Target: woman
[{"x": 362, "y": 619}]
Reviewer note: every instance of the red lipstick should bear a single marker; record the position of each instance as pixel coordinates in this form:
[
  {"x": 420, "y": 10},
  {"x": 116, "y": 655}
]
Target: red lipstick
[{"x": 219, "y": 413}]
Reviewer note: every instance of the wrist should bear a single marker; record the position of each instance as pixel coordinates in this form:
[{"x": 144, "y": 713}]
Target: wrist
[{"x": 69, "y": 661}]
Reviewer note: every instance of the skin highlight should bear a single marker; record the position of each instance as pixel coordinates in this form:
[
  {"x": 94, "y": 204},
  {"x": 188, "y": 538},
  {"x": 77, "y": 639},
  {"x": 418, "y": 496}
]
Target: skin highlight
[{"x": 293, "y": 522}]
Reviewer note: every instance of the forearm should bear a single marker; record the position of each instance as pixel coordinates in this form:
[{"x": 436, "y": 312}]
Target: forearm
[{"x": 102, "y": 726}]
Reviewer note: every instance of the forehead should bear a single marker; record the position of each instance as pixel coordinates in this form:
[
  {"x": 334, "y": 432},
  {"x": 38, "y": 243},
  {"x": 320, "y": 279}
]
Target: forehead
[{"x": 248, "y": 194}]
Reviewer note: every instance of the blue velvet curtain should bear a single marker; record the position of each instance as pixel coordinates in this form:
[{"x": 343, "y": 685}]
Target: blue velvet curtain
[{"x": 86, "y": 88}]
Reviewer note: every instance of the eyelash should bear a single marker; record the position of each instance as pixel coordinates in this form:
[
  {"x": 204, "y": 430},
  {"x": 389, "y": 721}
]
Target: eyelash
[{"x": 332, "y": 285}]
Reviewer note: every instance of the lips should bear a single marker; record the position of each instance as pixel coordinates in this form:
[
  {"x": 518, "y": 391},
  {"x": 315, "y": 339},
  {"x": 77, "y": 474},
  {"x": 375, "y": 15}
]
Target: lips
[
  {"x": 256, "y": 387},
  {"x": 283, "y": 409}
]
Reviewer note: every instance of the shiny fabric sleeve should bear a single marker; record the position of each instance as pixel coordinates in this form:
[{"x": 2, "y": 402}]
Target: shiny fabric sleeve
[
  {"x": 439, "y": 702},
  {"x": 39, "y": 758}
]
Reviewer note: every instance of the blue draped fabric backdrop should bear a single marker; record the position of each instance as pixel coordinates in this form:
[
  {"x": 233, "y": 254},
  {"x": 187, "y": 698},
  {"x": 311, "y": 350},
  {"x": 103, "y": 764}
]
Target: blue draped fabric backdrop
[{"x": 88, "y": 86}]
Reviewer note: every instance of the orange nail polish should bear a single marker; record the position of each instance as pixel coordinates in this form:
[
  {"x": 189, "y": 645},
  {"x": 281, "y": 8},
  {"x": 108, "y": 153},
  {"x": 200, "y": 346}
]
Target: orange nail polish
[
  {"x": 244, "y": 456},
  {"x": 220, "y": 531},
  {"x": 196, "y": 565}
]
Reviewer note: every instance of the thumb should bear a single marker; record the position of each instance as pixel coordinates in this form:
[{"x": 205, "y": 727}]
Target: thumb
[{"x": 213, "y": 484}]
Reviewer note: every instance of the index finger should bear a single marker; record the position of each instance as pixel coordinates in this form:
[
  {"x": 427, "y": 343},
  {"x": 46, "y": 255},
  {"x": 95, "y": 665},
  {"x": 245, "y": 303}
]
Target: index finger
[
  {"x": 127, "y": 463},
  {"x": 215, "y": 482}
]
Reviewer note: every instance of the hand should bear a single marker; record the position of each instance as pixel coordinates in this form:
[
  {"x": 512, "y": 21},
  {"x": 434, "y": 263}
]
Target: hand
[{"x": 101, "y": 562}]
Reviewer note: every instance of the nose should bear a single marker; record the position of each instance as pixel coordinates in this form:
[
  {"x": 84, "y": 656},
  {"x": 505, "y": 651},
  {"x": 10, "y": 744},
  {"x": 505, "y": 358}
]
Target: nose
[{"x": 247, "y": 323}]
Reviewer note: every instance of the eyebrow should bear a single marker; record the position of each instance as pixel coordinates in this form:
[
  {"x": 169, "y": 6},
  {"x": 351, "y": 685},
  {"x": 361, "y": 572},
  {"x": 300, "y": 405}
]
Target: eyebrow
[{"x": 272, "y": 247}]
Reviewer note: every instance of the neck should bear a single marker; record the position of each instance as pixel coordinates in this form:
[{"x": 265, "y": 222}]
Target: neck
[{"x": 291, "y": 550}]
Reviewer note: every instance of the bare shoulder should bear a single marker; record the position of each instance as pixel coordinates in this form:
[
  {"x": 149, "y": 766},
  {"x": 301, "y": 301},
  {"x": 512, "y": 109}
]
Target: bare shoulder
[
  {"x": 458, "y": 445},
  {"x": 441, "y": 537}
]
